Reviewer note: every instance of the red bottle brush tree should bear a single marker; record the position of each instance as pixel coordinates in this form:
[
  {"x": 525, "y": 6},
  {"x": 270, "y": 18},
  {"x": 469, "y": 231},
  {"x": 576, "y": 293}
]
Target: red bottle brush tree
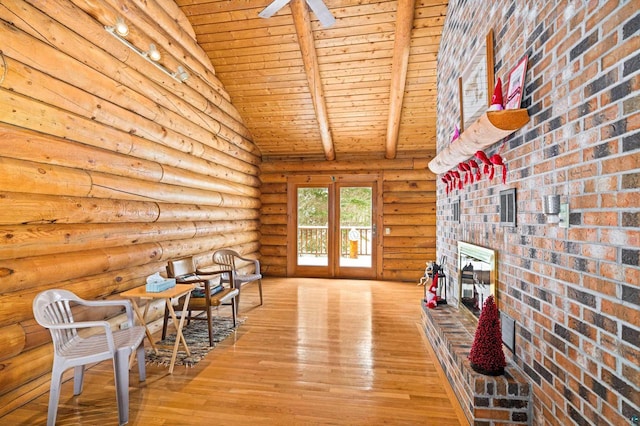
[{"x": 486, "y": 354}]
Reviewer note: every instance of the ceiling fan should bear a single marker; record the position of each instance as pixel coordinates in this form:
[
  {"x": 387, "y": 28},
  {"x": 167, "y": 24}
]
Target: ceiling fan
[{"x": 319, "y": 8}]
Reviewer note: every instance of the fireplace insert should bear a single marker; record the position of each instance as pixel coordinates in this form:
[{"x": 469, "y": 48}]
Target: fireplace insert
[{"x": 477, "y": 276}]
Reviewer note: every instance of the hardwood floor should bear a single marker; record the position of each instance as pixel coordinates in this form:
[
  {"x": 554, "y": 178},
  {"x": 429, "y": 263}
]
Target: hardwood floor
[{"x": 318, "y": 352}]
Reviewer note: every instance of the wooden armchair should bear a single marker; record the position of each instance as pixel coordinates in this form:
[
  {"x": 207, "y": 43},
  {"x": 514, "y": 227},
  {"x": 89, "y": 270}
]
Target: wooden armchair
[
  {"x": 228, "y": 259},
  {"x": 202, "y": 300}
]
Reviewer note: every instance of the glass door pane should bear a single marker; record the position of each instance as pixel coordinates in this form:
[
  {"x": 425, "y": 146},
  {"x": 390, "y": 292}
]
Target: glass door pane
[
  {"x": 356, "y": 230},
  {"x": 313, "y": 226}
]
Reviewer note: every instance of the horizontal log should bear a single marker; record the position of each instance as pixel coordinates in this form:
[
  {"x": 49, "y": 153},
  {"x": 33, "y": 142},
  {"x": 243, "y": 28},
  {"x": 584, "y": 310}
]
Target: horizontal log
[
  {"x": 334, "y": 166},
  {"x": 274, "y": 188},
  {"x": 174, "y": 11},
  {"x": 400, "y": 220},
  {"x": 412, "y": 209},
  {"x": 273, "y": 198},
  {"x": 272, "y": 176},
  {"x": 180, "y": 248},
  {"x": 110, "y": 186},
  {"x": 412, "y": 231},
  {"x": 268, "y": 251},
  {"x": 28, "y": 145},
  {"x": 273, "y": 219},
  {"x": 410, "y": 175},
  {"x": 23, "y": 144},
  {"x": 391, "y": 241},
  {"x": 274, "y": 209},
  {"x": 211, "y": 228},
  {"x": 24, "y": 208},
  {"x": 30, "y": 272},
  {"x": 176, "y": 176},
  {"x": 271, "y": 270},
  {"x": 270, "y": 230},
  {"x": 81, "y": 49},
  {"x": 25, "y": 367},
  {"x": 398, "y": 275},
  {"x": 410, "y": 197},
  {"x": 16, "y": 307},
  {"x": 38, "y": 178},
  {"x": 181, "y": 212},
  {"x": 18, "y": 397},
  {"x": 13, "y": 341},
  {"x": 122, "y": 126},
  {"x": 34, "y": 240},
  {"x": 273, "y": 240},
  {"x": 407, "y": 186}
]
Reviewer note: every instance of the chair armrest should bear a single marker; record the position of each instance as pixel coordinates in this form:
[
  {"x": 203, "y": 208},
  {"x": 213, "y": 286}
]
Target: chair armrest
[
  {"x": 88, "y": 324},
  {"x": 104, "y": 303},
  {"x": 256, "y": 263},
  {"x": 214, "y": 272}
]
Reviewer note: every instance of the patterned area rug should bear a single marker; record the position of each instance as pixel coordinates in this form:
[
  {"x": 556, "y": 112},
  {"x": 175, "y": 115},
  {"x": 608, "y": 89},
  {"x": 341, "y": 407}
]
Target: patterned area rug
[{"x": 197, "y": 337}]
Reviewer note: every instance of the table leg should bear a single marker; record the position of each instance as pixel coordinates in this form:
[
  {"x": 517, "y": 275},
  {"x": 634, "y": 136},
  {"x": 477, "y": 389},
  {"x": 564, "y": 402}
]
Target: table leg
[
  {"x": 141, "y": 318},
  {"x": 178, "y": 325}
]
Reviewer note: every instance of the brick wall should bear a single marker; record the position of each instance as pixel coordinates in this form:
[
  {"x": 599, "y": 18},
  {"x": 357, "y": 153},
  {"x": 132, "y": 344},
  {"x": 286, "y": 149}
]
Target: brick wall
[{"x": 575, "y": 293}]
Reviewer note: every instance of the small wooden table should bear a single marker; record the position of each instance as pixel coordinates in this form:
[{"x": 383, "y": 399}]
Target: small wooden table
[{"x": 178, "y": 291}]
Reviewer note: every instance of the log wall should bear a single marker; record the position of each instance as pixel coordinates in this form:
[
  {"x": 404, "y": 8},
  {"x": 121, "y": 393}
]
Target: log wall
[
  {"x": 409, "y": 201},
  {"x": 108, "y": 166}
]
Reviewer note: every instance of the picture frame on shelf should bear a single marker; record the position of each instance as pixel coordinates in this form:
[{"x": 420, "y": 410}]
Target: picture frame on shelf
[
  {"x": 515, "y": 85},
  {"x": 475, "y": 85}
]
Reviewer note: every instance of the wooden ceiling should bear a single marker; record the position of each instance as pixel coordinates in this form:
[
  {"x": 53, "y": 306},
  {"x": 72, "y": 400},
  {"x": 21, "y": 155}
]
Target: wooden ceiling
[{"x": 366, "y": 86}]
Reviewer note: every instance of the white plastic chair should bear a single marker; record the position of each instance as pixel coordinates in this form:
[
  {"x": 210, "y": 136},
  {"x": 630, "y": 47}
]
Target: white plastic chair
[{"x": 52, "y": 310}]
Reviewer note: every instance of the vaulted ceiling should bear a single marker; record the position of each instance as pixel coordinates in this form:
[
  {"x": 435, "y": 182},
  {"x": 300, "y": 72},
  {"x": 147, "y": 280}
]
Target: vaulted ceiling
[{"x": 363, "y": 87}]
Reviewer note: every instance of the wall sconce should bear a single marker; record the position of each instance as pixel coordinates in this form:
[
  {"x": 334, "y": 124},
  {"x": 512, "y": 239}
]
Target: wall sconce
[
  {"x": 555, "y": 211},
  {"x": 120, "y": 30}
]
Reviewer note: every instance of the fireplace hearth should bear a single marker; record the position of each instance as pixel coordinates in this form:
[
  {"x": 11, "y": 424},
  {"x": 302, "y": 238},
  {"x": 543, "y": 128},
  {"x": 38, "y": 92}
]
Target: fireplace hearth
[{"x": 485, "y": 400}]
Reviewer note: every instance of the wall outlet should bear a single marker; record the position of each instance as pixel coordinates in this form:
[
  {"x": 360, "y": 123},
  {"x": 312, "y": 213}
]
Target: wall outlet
[
  {"x": 387, "y": 231},
  {"x": 124, "y": 325}
]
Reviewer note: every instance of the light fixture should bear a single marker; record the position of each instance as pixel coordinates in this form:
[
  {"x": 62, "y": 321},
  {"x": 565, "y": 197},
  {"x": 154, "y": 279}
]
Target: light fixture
[
  {"x": 154, "y": 53},
  {"x": 121, "y": 27},
  {"x": 181, "y": 74},
  {"x": 121, "y": 30},
  {"x": 555, "y": 211}
]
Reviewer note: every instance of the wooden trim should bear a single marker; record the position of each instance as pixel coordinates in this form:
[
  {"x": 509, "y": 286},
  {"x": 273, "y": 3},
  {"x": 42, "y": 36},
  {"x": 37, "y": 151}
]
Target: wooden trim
[
  {"x": 491, "y": 81},
  {"x": 401, "y": 49}
]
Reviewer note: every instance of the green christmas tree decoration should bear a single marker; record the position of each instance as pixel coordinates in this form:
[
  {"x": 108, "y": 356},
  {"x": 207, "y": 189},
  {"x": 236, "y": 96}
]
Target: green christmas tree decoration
[{"x": 486, "y": 354}]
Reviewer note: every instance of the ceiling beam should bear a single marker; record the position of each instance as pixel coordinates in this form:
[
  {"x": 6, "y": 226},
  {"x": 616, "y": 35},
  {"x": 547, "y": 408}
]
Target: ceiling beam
[
  {"x": 401, "y": 48},
  {"x": 302, "y": 22}
]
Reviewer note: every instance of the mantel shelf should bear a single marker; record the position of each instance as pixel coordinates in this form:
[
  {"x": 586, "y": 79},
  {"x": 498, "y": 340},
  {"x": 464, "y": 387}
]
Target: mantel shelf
[{"x": 484, "y": 132}]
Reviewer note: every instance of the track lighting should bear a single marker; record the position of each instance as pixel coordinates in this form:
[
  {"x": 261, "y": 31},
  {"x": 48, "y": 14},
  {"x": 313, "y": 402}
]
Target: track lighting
[{"x": 120, "y": 30}]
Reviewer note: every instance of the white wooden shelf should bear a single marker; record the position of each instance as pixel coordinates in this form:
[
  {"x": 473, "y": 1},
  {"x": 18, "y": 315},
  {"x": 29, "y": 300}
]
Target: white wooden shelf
[{"x": 484, "y": 132}]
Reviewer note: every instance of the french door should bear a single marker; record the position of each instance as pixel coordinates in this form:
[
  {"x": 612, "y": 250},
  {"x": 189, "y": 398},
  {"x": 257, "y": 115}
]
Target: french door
[{"x": 332, "y": 229}]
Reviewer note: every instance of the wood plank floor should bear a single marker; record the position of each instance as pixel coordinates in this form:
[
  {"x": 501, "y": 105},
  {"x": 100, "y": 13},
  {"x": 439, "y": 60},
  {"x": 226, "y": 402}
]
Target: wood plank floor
[{"x": 318, "y": 352}]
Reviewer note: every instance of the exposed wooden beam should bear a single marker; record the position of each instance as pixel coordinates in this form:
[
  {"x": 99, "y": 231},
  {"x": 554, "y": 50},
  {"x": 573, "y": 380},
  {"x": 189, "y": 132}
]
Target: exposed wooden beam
[
  {"x": 401, "y": 47},
  {"x": 302, "y": 22}
]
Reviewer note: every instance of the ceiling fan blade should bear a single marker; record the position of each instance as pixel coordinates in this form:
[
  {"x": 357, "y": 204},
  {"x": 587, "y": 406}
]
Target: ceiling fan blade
[
  {"x": 270, "y": 10},
  {"x": 320, "y": 9}
]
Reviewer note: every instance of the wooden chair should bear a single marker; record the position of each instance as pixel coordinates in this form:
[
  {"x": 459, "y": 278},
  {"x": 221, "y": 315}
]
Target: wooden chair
[
  {"x": 184, "y": 271},
  {"x": 229, "y": 259},
  {"x": 52, "y": 310}
]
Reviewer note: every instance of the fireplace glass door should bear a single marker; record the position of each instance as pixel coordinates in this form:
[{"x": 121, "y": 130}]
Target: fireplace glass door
[{"x": 477, "y": 276}]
